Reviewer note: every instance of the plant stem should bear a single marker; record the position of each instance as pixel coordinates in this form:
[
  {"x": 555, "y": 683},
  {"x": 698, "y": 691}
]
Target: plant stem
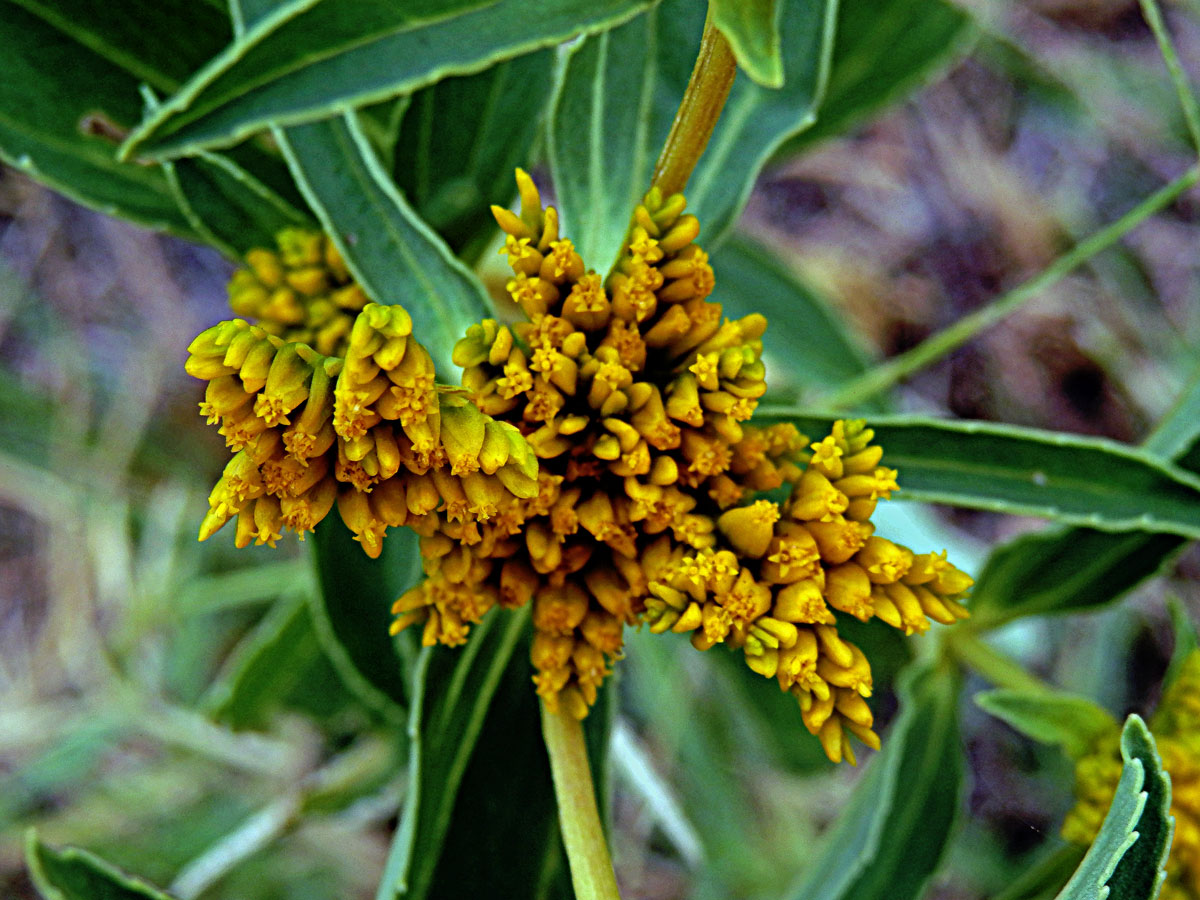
[
  {"x": 954, "y": 336},
  {"x": 992, "y": 665},
  {"x": 1187, "y": 97},
  {"x": 583, "y": 836},
  {"x": 707, "y": 89}
]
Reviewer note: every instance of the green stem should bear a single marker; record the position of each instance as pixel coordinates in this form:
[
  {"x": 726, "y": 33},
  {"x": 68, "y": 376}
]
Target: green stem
[
  {"x": 707, "y": 90},
  {"x": 992, "y": 665},
  {"x": 898, "y": 368},
  {"x": 583, "y": 836},
  {"x": 1187, "y": 97}
]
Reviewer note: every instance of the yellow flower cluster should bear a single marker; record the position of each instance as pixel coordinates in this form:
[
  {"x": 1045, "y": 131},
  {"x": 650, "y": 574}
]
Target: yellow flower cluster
[
  {"x": 789, "y": 570},
  {"x": 633, "y": 393},
  {"x": 368, "y": 430},
  {"x": 301, "y": 292},
  {"x": 1176, "y": 728}
]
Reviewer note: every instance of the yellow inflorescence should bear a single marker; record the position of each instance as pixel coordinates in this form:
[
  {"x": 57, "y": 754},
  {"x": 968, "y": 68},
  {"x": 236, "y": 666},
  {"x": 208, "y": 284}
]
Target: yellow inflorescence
[
  {"x": 634, "y": 394},
  {"x": 596, "y": 463},
  {"x": 368, "y": 431},
  {"x": 301, "y": 292},
  {"x": 1176, "y": 728}
]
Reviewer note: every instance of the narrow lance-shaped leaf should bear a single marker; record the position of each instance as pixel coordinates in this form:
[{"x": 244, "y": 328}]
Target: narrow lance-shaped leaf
[
  {"x": 1177, "y": 436},
  {"x": 305, "y": 61},
  {"x": 63, "y": 109},
  {"x": 1051, "y": 717},
  {"x": 1026, "y": 471},
  {"x": 394, "y": 255},
  {"x": 1126, "y": 859},
  {"x": 352, "y": 611},
  {"x": 68, "y": 873},
  {"x": 609, "y": 123},
  {"x": 1064, "y": 569},
  {"x": 602, "y": 132},
  {"x": 752, "y": 29},
  {"x": 269, "y": 665},
  {"x": 505, "y": 818},
  {"x": 1087, "y": 568},
  {"x": 452, "y": 693},
  {"x": 158, "y": 42},
  {"x": 888, "y": 840},
  {"x": 883, "y": 50},
  {"x": 230, "y": 208},
  {"x": 461, "y": 139}
]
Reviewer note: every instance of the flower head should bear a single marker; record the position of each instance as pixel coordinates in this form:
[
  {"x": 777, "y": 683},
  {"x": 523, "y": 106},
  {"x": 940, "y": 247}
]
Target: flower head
[
  {"x": 634, "y": 393},
  {"x": 300, "y": 291},
  {"x": 1176, "y": 728},
  {"x": 368, "y": 431}
]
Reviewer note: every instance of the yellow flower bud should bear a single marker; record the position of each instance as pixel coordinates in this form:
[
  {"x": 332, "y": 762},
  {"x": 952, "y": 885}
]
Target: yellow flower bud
[
  {"x": 559, "y": 610},
  {"x": 885, "y": 562},
  {"x": 803, "y": 602},
  {"x": 750, "y": 528},
  {"x": 847, "y": 588}
]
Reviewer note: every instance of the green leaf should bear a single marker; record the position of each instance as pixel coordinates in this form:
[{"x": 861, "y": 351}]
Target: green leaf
[
  {"x": 752, "y": 29},
  {"x": 605, "y": 127},
  {"x": 887, "y": 842},
  {"x": 505, "y": 819},
  {"x": 1177, "y": 435},
  {"x": 1026, "y": 471},
  {"x": 279, "y": 659},
  {"x": 1064, "y": 570},
  {"x": 306, "y": 61},
  {"x": 381, "y": 123},
  {"x": 807, "y": 347},
  {"x": 352, "y": 612},
  {"x": 69, "y": 873},
  {"x": 1089, "y": 568},
  {"x": 62, "y": 110},
  {"x": 618, "y": 96},
  {"x": 1051, "y": 717},
  {"x": 1126, "y": 859},
  {"x": 1045, "y": 878},
  {"x": 884, "y": 49},
  {"x": 394, "y": 255},
  {"x": 158, "y": 42},
  {"x": 461, "y": 139},
  {"x": 229, "y": 207},
  {"x": 452, "y": 693}
]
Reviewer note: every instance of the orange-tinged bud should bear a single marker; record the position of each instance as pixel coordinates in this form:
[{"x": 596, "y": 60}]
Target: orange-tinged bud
[
  {"x": 603, "y": 631},
  {"x": 559, "y": 610},
  {"x": 551, "y": 651}
]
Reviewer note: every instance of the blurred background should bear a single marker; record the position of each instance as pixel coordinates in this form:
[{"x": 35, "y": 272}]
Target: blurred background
[{"x": 124, "y": 644}]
